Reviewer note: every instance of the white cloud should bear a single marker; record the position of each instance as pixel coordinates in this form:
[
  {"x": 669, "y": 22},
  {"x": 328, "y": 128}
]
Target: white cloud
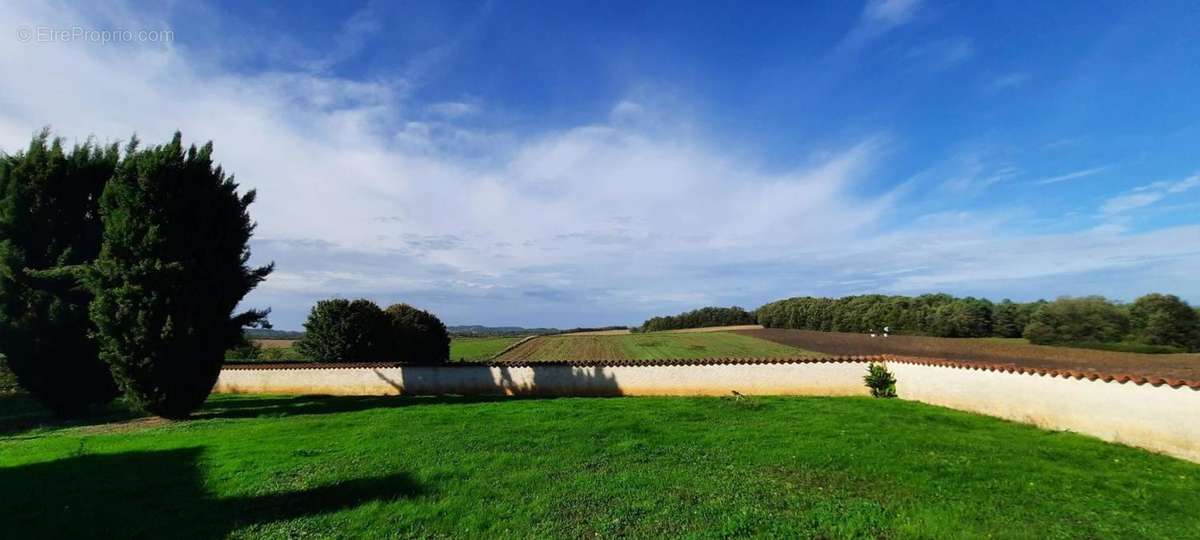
[
  {"x": 1147, "y": 195},
  {"x": 1073, "y": 175},
  {"x": 1009, "y": 80},
  {"x": 972, "y": 172},
  {"x": 453, "y": 109},
  {"x": 596, "y": 223},
  {"x": 878, "y": 18},
  {"x": 890, "y": 12},
  {"x": 944, "y": 54},
  {"x": 626, "y": 110}
]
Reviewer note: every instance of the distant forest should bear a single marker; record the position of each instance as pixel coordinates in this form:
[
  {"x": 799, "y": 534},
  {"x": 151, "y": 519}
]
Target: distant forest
[{"x": 1157, "y": 323}]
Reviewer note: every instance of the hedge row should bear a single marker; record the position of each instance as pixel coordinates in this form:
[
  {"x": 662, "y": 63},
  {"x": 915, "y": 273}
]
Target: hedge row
[{"x": 700, "y": 318}]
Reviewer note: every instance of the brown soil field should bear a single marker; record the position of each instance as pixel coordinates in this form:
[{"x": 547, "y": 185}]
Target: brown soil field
[
  {"x": 275, "y": 343},
  {"x": 1180, "y": 366}
]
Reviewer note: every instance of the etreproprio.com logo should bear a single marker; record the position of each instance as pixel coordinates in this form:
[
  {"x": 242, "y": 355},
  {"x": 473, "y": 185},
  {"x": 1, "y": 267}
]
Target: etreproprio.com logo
[{"x": 50, "y": 34}]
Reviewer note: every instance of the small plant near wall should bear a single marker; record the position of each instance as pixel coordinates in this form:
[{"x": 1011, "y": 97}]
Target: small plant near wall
[{"x": 881, "y": 381}]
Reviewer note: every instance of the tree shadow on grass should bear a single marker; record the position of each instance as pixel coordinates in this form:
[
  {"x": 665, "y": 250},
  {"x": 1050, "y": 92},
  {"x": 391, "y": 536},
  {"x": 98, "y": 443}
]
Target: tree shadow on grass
[
  {"x": 20, "y": 412},
  {"x": 468, "y": 384},
  {"x": 284, "y": 406},
  {"x": 158, "y": 494}
]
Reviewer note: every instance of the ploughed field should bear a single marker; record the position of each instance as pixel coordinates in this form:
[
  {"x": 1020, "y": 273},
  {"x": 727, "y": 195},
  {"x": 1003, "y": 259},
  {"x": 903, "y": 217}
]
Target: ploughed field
[
  {"x": 649, "y": 346},
  {"x": 989, "y": 350},
  {"x": 257, "y": 466}
]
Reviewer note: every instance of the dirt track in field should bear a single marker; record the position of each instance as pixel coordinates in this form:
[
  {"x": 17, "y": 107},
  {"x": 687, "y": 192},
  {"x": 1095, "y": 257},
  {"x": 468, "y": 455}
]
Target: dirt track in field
[{"x": 1181, "y": 366}]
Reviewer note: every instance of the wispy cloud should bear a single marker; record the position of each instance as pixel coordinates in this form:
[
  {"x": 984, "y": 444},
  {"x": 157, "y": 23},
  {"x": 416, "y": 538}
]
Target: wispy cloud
[
  {"x": 1073, "y": 175},
  {"x": 972, "y": 172},
  {"x": 1009, "y": 80},
  {"x": 944, "y": 54},
  {"x": 453, "y": 109},
  {"x": 366, "y": 192},
  {"x": 878, "y": 17},
  {"x": 890, "y": 13},
  {"x": 1147, "y": 195}
]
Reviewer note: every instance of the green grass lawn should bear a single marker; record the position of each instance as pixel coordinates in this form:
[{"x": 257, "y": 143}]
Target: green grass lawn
[
  {"x": 478, "y": 349},
  {"x": 651, "y": 346},
  {"x": 535, "y": 468}
]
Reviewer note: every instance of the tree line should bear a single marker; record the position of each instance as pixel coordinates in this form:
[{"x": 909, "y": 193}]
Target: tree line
[
  {"x": 120, "y": 272},
  {"x": 700, "y": 318},
  {"x": 1152, "y": 323}
]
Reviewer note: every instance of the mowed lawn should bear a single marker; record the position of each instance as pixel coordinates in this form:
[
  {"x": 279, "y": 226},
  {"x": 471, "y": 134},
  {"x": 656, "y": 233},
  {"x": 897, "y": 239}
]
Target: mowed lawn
[
  {"x": 650, "y": 346},
  {"x": 477, "y": 349},
  {"x": 281, "y": 467}
]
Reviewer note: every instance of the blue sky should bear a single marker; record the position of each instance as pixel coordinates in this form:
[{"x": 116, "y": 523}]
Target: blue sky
[{"x": 598, "y": 162}]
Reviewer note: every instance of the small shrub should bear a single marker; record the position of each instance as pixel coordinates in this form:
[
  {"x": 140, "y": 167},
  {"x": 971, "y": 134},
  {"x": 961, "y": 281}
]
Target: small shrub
[{"x": 881, "y": 381}]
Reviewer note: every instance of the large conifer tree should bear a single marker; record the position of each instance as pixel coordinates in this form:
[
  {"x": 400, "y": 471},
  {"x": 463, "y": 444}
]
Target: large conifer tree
[
  {"x": 172, "y": 269},
  {"x": 49, "y": 226}
]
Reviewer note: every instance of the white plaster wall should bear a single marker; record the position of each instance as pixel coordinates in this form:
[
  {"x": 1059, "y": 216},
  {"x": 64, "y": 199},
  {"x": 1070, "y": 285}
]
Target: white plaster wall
[
  {"x": 1155, "y": 417},
  {"x": 825, "y": 379}
]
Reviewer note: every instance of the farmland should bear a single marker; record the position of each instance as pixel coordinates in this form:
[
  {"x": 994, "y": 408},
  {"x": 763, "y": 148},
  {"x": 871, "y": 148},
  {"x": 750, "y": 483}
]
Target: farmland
[
  {"x": 252, "y": 466},
  {"x": 468, "y": 349},
  {"x": 989, "y": 350},
  {"x": 656, "y": 345},
  {"x": 478, "y": 349}
]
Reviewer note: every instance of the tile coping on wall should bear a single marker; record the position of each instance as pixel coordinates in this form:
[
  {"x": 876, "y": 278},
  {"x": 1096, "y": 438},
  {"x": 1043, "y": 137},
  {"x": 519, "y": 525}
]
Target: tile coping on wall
[{"x": 1120, "y": 378}]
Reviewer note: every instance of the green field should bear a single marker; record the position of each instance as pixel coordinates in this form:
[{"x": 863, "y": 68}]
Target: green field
[
  {"x": 478, "y": 349},
  {"x": 469, "y": 349},
  {"x": 651, "y": 346},
  {"x": 280, "y": 467}
]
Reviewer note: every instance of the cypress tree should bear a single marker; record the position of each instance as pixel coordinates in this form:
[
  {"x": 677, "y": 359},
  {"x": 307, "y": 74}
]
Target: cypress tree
[
  {"x": 171, "y": 271},
  {"x": 49, "y": 226}
]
